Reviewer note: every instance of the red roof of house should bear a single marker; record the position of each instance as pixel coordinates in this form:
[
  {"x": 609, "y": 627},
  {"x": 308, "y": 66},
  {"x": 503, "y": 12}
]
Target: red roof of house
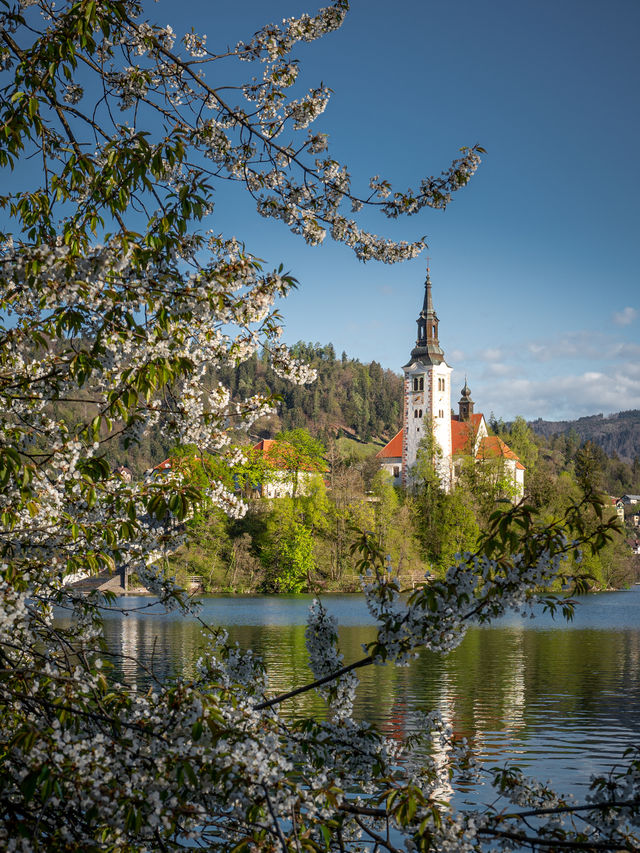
[
  {"x": 264, "y": 444},
  {"x": 492, "y": 447},
  {"x": 283, "y": 456},
  {"x": 392, "y": 450},
  {"x": 463, "y": 433}
]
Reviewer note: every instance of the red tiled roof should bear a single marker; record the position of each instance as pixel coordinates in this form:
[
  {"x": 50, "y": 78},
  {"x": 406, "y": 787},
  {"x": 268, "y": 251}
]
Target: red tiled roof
[
  {"x": 392, "y": 450},
  {"x": 492, "y": 447},
  {"x": 463, "y": 433},
  {"x": 285, "y": 457},
  {"x": 264, "y": 444},
  {"x": 475, "y": 419}
]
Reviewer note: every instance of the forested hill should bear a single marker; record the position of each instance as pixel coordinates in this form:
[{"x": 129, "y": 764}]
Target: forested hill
[
  {"x": 615, "y": 434},
  {"x": 361, "y": 399},
  {"x": 364, "y": 401}
]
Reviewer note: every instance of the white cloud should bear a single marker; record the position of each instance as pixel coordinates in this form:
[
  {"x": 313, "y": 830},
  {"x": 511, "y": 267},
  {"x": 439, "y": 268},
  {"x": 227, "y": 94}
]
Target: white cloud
[
  {"x": 576, "y": 373},
  {"x": 494, "y": 354},
  {"x": 500, "y": 369},
  {"x": 580, "y": 345},
  {"x": 561, "y": 397},
  {"x": 625, "y": 317}
]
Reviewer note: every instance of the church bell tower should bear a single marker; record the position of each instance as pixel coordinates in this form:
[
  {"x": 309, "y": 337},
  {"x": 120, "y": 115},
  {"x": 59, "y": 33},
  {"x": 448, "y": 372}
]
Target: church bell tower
[
  {"x": 427, "y": 395},
  {"x": 465, "y": 403}
]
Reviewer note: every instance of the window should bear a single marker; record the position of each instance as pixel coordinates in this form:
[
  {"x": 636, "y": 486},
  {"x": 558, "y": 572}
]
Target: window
[
  {"x": 418, "y": 383},
  {"x": 396, "y": 471},
  {"x": 441, "y": 384},
  {"x": 440, "y": 414},
  {"x": 420, "y": 415}
]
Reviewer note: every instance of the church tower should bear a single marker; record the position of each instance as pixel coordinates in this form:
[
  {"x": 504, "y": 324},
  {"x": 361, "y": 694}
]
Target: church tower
[
  {"x": 465, "y": 403},
  {"x": 427, "y": 395}
]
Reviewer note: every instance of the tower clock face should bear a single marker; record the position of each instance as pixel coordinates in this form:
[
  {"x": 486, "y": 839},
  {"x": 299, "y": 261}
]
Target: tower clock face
[{"x": 418, "y": 398}]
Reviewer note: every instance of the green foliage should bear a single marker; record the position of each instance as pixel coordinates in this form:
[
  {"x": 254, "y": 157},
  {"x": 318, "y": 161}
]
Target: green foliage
[
  {"x": 362, "y": 399},
  {"x": 445, "y": 523},
  {"x": 286, "y": 548},
  {"x": 521, "y": 439},
  {"x": 269, "y": 548},
  {"x": 294, "y": 559},
  {"x": 618, "y": 435},
  {"x": 309, "y": 451}
]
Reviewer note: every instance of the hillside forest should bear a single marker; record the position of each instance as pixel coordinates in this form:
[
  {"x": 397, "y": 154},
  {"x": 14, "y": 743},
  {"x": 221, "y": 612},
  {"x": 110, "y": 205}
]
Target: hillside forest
[{"x": 335, "y": 427}]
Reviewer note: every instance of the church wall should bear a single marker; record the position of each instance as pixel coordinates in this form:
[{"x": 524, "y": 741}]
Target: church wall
[
  {"x": 432, "y": 403},
  {"x": 441, "y": 408},
  {"x": 393, "y": 467},
  {"x": 406, "y": 400}
]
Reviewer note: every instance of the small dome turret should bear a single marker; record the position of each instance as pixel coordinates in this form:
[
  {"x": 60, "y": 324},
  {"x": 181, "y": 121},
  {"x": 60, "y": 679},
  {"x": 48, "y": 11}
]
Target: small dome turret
[{"x": 465, "y": 403}]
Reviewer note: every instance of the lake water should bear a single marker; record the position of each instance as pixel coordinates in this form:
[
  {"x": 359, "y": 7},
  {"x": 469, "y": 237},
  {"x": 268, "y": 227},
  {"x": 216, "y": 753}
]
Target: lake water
[{"x": 562, "y": 699}]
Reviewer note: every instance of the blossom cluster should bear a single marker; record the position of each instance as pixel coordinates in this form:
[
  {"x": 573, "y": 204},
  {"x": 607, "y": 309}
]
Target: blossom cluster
[{"x": 152, "y": 75}]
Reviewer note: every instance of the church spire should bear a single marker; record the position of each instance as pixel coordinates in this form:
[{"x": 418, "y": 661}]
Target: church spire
[{"x": 427, "y": 348}]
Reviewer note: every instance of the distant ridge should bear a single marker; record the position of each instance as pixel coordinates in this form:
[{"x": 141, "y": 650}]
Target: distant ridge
[{"x": 615, "y": 434}]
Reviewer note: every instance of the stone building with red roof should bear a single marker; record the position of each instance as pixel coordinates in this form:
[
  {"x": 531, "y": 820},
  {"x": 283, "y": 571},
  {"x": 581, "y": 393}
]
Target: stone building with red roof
[
  {"x": 287, "y": 472},
  {"x": 427, "y": 405}
]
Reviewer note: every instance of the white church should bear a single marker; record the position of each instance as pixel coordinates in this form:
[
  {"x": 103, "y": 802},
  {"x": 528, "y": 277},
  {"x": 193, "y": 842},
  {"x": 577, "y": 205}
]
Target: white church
[{"x": 427, "y": 405}]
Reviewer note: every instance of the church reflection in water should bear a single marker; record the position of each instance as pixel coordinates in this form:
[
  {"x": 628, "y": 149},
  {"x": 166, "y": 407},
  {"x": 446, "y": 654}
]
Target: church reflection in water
[{"x": 561, "y": 700}]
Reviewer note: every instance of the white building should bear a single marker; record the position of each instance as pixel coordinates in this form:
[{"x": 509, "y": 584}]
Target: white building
[
  {"x": 286, "y": 472},
  {"x": 427, "y": 405},
  {"x": 427, "y": 395}
]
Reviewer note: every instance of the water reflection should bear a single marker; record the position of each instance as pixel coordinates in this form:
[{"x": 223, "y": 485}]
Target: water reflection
[{"x": 563, "y": 700}]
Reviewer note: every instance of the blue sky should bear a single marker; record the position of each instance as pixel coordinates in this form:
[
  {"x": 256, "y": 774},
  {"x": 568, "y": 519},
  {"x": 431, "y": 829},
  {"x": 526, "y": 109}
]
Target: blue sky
[
  {"x": 534, "y": 267},
  {"x": 534, "y": 264}
]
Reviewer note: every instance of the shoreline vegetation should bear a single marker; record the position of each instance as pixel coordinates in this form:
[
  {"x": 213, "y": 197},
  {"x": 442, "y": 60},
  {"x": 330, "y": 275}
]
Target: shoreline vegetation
[{"x": 302, "y": 542}]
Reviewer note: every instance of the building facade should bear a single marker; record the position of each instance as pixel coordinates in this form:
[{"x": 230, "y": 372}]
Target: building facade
[
  {"x": 427, "y": 413},
  {"x": 427, "y": 396}
]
